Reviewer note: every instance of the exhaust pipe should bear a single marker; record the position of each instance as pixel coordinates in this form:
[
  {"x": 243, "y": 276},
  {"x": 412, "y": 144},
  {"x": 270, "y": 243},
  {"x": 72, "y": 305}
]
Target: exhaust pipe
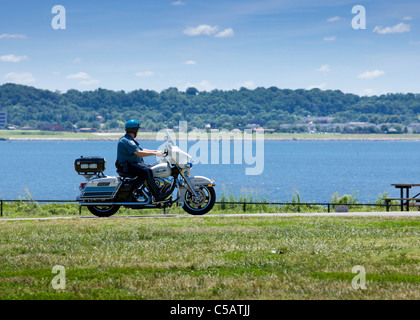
[{"x": 86, "y": 204}]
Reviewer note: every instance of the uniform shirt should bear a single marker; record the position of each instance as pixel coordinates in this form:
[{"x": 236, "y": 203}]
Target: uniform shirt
[{"x": 126, "y": 148}]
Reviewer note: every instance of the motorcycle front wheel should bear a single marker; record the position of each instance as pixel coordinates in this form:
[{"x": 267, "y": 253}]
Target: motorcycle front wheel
[
  {"x": 103, "y": 211},
  {"x": 203, "y": 203}
]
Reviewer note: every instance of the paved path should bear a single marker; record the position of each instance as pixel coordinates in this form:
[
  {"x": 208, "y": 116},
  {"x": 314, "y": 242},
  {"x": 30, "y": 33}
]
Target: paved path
[{"x": 332, "y": 214}]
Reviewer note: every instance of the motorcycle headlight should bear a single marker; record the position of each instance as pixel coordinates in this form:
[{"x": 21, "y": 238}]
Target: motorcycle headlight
[{"x": 187, "y": 173}]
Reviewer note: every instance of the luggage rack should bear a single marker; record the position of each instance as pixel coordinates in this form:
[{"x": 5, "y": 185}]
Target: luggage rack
[{"x": 89, "y": 165}]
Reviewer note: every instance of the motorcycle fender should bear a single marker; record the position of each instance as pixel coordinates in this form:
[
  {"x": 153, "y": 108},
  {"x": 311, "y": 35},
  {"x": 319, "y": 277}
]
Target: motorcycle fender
[
  {"x": 195, "y": 181},
  {"x": 201, "y": 181}
]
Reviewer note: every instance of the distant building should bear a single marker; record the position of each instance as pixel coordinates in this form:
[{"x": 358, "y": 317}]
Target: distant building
[
  {"x": 27, "y": 128},
  {"x": 87, "y": 130},
  {"x": 3, "y": 118},
  {"x": 253, "y": 126},
  {"x": 413, "y": 128},
  {"x": 319, "y": 120}
]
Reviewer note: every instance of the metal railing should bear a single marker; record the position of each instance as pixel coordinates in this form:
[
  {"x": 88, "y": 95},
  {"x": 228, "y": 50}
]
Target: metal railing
[
  {"x": 243, "y": 204},
  {"x": 329, "y": 205}
]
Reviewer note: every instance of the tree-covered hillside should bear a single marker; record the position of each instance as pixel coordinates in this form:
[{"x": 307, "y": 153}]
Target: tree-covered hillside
[{"x": 271, "y": 108}]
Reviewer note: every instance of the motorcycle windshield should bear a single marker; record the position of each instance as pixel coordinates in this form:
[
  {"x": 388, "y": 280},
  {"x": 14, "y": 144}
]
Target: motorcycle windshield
[{"x": 169, "y": 138}]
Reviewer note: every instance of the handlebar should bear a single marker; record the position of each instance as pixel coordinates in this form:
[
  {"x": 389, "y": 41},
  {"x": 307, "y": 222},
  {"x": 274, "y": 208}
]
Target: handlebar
[{"x": 165, "y": 152}]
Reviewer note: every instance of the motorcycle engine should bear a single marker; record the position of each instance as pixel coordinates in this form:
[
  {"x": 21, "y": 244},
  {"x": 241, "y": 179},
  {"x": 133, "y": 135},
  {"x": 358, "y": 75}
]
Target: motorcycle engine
[{"x": 163, "y": 184}]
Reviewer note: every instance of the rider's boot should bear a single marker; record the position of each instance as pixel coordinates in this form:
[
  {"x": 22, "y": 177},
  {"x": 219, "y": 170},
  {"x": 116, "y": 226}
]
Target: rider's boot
[
  {"x": 136, "y": 192},
  {"x": 159, "y": 196}
]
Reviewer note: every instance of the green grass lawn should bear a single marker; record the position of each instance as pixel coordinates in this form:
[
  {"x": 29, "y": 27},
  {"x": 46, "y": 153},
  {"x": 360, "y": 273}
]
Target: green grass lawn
[
  {"x": 211, "y": 258},
  {"x": 36, "y": 134}
]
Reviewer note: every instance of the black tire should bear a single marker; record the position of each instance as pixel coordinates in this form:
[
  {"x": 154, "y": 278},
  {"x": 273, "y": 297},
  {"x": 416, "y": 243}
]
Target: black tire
[
  {"x": 205, "y": 206},
  {"x": 103, "y": 211}
]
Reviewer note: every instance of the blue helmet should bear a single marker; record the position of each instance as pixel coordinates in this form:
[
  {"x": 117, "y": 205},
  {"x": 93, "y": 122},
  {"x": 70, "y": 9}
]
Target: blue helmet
[{"x": 132, "y": 126}]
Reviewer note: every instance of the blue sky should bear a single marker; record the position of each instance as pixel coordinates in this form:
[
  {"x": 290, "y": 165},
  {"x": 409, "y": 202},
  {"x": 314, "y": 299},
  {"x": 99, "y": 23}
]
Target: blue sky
[{"x": 128, "y": 45}]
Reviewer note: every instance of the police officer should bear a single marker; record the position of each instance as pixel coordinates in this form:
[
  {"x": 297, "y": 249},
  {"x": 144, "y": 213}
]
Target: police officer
[{"x": 130, "y": 159}]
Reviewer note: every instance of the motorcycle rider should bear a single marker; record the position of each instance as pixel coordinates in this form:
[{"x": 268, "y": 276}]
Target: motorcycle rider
[{"x": 130, "y": 160}]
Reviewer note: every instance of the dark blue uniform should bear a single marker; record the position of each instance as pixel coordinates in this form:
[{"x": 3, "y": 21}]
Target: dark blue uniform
[
  {"x": 129, "y": 163},
  {"x": 126, "y": 148}
]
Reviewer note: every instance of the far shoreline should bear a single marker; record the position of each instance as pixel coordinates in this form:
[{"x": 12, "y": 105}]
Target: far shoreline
[
  {"x": 203, "y": 138},
  {"x": 37, "y": 135}
]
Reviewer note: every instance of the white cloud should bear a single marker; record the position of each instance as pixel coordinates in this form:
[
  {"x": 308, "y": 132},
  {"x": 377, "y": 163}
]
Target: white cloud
[
  {"x": 227, "y": 33},
  {"x": 320, "y": 86},
  {"x": 20, "y": 78},
  {"x": 399, "y": 28},
  {"x": 324, "y": 68},
  {"x": 79, "y": 76},
  {"x": 85, "y": 78},
  {"x": 13, "y": 36},
  {"x": 334, "y": 19},
  {"x": 207, "y": 30},
  {"x": 178, "y": 3},
  {"x": 248, "y": 84},
  {"x": 407, "y": 18},
  {"x": 203, "y": 85},
  {"x": 368, "y": 92},
  {"x": 190, "y": 62},
  {"x": 76, "y": 60},
  {"x": 13, "y": 58},
  {"x": 145, "y": 74},
  {"x": 369, "y": 75},
  {"x": 414, "y": 42},
  {"x": 330, "y": 38},
  {"x": 203, "y": 29}
]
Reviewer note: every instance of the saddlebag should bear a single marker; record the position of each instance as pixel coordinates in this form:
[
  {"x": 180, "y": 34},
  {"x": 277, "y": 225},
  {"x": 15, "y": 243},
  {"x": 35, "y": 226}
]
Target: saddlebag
[
  {"x": 101, "y": 188},
  {"x": 89, "y": 165}
]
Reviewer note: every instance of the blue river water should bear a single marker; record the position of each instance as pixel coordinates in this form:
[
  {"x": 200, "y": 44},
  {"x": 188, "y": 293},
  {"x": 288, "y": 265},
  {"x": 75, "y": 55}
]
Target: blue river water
[{"x": 313, "y": 169}]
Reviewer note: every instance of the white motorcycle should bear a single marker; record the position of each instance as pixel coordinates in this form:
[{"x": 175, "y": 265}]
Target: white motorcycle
[{"x": 104, "y": 195}]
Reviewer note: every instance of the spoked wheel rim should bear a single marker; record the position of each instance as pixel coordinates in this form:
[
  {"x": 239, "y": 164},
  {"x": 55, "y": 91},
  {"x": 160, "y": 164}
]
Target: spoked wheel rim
[
  {"x": 103, "y": 211},
  {"x": 104, "y": 208},
  {"x": 199, "y": 203}
]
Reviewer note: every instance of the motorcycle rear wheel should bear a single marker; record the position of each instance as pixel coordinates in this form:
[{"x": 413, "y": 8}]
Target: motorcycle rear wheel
[{"x": 103, "y": 211}]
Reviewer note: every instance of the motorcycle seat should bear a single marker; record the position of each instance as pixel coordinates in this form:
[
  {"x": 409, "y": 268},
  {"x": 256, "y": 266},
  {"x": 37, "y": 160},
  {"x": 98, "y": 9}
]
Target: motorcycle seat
[{"x": 126, "y": 175}]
